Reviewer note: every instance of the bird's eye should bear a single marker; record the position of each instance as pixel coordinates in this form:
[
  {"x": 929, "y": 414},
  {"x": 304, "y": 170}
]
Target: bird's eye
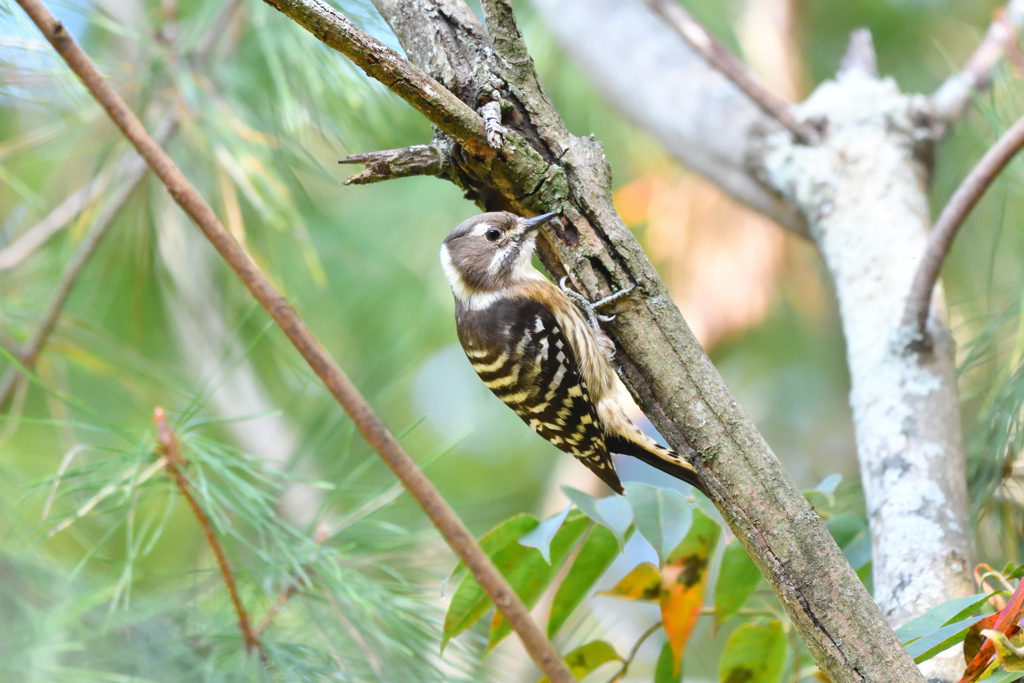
[{"x": 492, "y": 235}]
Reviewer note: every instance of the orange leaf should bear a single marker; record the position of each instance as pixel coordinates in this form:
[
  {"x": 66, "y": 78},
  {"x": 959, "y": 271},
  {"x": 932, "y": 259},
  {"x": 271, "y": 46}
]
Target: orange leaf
[
  {"x": 1005, "y": 623},
  {"x": 643, "y": 583},
  {"x": 682, "y": 597},
  {"x": 682, "y": 584}
]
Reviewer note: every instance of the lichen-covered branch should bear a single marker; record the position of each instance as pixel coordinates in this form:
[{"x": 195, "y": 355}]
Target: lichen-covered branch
[
  {"x": 542, "y": 168},
  {"x": 864, "y": 191},
  {"x": 395, "y": 163},
  {"x": 954, "y": 97}
]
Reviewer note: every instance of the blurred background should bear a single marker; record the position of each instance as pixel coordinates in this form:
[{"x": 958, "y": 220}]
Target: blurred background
[{"x": 127, "y": 589}]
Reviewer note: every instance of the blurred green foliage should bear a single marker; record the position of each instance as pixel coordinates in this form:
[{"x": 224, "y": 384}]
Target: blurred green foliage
[{"x": 130, "y": 588}]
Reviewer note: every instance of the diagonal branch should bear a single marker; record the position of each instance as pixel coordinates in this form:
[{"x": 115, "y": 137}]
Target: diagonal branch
[
  {"x": 370, "y": 425},
  {"x": 711, "y": 49},
  {"x": 129, "y": 173},
  {"x": 959, "y": 206},
  {"x": 171, "y": 450},
  {"x": 395, "y": 163},
  {"x": 29, "y": 353},
  {"x": 125, "y": 170},
  {"x": 542, "y": 168},
  {"x": 954, "y": 97}
]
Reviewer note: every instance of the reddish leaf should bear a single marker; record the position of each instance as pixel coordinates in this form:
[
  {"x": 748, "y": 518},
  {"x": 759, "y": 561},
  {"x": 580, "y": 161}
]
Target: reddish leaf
[
  {"x": 1005, "y": 623},
  {"x": 974, "y": 639}
]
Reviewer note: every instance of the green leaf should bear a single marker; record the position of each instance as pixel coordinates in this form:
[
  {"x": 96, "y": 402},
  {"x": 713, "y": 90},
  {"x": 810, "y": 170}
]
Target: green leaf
[
  {"x": 737, "y": 579},
  {"x": 663, "y": 670},
  {"x": 470, "y": 602},
  {"x": 532, "y": 574},
  {"x": 941, "y": 615},
  {"x": 509, "y": 531},
  {"x": 540, "y": 537},
  {"x": 754, "y": 654},
  {"x": 662, "y": 517},
  {"x": 612, "y": 512},
  {"x": 826, "y": 489},
  {"x": 926, "y": 647},
  {"x": 595, "y": 556},
  {"x": 1003, "y": 676},
  {"x": 589, "y": 657}
]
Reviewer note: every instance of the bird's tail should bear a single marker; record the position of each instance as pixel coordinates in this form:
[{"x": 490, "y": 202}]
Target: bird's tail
[{"x": 655, "y": 455}]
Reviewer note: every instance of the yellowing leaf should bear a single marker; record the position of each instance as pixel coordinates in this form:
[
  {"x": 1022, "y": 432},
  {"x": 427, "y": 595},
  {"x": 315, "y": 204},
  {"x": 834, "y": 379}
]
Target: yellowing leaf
[
  {"x": 683, "y": 581},
  {"x": 643, "y": 583},
  {"x": 1011, "y": 655},
  {"x": 587, "y": 658}
]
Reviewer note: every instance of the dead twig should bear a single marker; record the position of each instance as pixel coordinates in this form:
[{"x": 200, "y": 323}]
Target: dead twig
[
  {"x": 973, "y": 187},
  {"x": 953, "y": 98},
  {"x": 171, "y": 450},
  {"x": 395, "y": 163},
  {"x": 397, "y": 71},
  {"x": 718, "y": 56}
]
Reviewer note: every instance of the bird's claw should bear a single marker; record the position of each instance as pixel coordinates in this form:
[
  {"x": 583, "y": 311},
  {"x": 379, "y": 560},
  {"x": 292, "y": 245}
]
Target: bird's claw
[{"x": 590, "y": 309}]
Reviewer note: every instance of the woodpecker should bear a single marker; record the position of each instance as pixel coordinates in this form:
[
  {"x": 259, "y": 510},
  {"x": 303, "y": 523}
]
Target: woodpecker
[{"x": 538, "y": 352}]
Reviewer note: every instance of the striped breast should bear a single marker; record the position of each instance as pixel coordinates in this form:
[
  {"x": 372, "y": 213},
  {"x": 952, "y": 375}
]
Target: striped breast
[{"x": 521, "y": 353}]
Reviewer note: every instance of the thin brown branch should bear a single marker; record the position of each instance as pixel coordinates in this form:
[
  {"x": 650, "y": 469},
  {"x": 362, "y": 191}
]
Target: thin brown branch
[
  {"x": 86, "y": 248},
  {"x": 711, "y": 49},
  {"x": 427, "y": 96},
  {"x": 632, "y": 653},
  {"x": 129, "y": 173},
  {"x": 176, "y": 464},
  {"x": 296, "y": 582},
  {"x": 124, "y": 170},
  {"x": 954, "y": 97},
  {"x": 395, "y": 163},
  {"x": 973, "y": 187},
  {"x": 370, "y": 425}
]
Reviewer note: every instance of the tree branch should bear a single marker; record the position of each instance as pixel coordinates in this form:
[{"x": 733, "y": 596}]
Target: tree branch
[
  {"x": 124, "y": 170},
  {"x": 954, "y": 97},
  {"x": 643, "y": 69},
  {"x": 370, "y": 425},
  {"x": 395, "y": 163},
  {"x": 175, "y": 465},
  {"x": 718, "y": 56},
  {"x": 959, "y": 206},
  {"x": 29, "y": 353},
  {"x": 544, "y": 168}
]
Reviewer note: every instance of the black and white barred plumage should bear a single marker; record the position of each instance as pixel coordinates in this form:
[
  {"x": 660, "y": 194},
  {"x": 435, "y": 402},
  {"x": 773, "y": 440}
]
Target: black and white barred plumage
[{"x": 534, "y": 349}]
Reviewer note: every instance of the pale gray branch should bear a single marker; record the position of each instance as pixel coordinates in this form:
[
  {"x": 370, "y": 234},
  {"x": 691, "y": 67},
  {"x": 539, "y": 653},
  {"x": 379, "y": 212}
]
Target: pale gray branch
[
  {"x": 654, "y": 78},
  {"x": 954, "y": 97}
]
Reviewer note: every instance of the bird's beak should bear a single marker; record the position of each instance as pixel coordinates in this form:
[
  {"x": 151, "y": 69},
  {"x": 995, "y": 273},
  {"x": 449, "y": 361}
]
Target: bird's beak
[{"x": 537, "y": 221}]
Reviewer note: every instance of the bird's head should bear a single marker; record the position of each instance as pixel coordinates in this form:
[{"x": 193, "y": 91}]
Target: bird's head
[{"x": 490, "y": 252}]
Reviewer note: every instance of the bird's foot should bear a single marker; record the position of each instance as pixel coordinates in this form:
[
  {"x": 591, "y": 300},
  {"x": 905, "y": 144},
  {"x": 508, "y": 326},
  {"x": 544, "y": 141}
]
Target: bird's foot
[{"x": 590, "y": 308}]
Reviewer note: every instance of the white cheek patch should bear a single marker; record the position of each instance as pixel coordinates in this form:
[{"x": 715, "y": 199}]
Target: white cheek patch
[{"x": 463, "y": 292}]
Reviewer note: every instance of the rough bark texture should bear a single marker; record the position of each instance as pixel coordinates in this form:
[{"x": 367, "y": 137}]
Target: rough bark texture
[
  {"x": 864, "y": 191},
  {"x": 542, "y": 168}
]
